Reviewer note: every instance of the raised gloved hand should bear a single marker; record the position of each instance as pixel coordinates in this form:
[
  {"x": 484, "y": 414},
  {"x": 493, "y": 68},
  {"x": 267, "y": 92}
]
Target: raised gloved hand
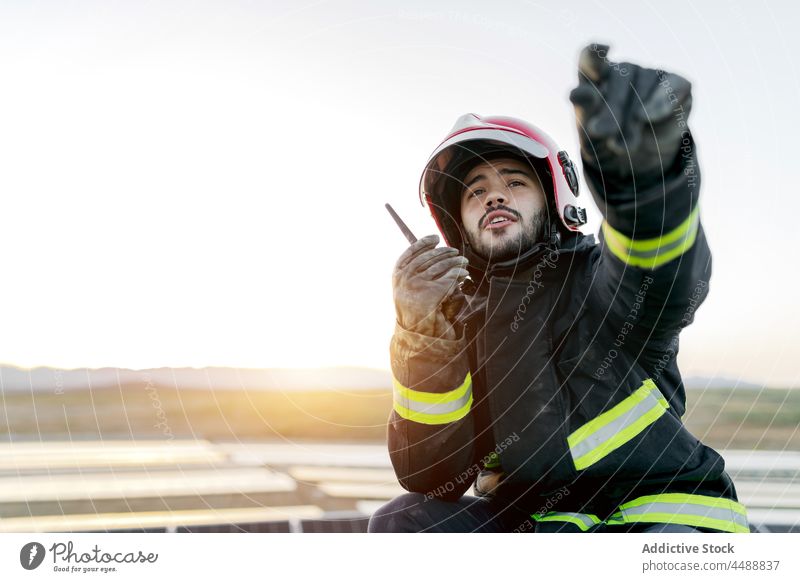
[
  {"x": 424, "y": 279},
  {"x": 631, "y": 120}
]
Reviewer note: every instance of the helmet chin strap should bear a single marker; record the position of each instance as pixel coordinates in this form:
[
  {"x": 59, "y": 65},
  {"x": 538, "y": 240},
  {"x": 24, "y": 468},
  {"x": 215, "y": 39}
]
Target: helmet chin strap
[{"x": 555, "y": 235}]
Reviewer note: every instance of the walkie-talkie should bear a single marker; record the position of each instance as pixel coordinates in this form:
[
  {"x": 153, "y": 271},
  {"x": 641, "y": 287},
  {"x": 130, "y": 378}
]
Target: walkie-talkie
[
  {"x": 403, "y": 228},
  {"x": 466, "y": 285}
]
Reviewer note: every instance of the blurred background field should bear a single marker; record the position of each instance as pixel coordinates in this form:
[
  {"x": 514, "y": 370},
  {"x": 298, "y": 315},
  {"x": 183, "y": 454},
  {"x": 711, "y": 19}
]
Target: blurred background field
[
  {"x": 741, "y": 418},
  {"x": 745, "y": 418},
  {"x": 129, "y": 413}
]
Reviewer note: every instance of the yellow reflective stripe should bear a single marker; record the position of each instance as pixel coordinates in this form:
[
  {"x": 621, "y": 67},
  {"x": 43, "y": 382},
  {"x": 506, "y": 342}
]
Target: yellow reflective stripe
[
  {"x": 433, "y": 407},
  {"x": 660, "y": 241},
  {"x": 605, "y": 418},
  {"x": 706, "y": 500},
  {"x": 615, "y": 427},
  {"x": 704, "y": 511},
  {"x": 653, "y": 252},
  {"x": 584, "y": 521},
  {"x": 690, "y": 520},
  {"x": 686, "y": 509},
  {"x": 425, "y": 418},
  {"x": 494, "y": 461},
  {"x": 624, "y": 436},
  {"x": 615, "y": 519},
  {"x": 433, "y": 397}
]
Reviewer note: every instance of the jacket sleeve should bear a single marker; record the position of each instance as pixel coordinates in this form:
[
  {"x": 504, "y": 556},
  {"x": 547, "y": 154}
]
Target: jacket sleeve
[
  {"x": 430, "y": 429},
  {"x": 655, "y": 264}
]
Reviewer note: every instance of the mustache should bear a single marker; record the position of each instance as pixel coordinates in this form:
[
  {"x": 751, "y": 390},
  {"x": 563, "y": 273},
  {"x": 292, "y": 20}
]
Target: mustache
[{"x": 499, "y": 207}]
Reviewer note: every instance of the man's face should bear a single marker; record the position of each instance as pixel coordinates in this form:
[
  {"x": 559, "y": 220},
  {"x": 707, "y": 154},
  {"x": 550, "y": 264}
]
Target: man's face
[{"x": 503, "y": 209}]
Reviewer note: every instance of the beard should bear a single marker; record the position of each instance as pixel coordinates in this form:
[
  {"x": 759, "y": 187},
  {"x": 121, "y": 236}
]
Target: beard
[{"x": 505, "y": 248}]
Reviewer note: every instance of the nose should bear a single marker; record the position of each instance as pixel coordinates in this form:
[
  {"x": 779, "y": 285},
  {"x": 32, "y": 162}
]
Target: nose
[{"x": 494, "y": 198}]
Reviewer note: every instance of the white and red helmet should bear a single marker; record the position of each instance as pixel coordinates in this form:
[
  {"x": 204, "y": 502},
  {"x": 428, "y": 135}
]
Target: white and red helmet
[{"x": 474, "y": 138}]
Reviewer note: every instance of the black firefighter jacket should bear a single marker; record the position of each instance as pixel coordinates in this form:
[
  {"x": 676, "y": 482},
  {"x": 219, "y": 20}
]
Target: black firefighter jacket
[{"x": 564, "y": 383}]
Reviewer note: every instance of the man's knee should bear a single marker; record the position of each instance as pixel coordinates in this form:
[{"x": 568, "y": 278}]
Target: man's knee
[{"x": 398, "y": 514}]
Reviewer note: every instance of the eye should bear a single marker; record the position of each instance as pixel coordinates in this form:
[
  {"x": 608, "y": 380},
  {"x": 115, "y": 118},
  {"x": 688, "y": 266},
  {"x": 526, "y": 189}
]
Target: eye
[
  {"x": 516, "y": 183},
  {"x": 475, "y": 193}
]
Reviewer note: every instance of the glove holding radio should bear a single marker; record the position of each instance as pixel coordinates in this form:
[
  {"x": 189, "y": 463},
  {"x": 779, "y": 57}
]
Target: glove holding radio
[{"x": 425, "y": 282}]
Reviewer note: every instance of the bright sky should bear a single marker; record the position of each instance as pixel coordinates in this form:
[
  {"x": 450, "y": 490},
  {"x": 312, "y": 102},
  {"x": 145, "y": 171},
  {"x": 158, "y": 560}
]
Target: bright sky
[{"x": 194, "y": 183}]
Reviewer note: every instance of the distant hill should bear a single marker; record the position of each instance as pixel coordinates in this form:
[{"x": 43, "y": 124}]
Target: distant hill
[
  {"x": 717, "y": 382},
  {"x": 45, "y": 379},
  {"x": 55, "y": 380}
]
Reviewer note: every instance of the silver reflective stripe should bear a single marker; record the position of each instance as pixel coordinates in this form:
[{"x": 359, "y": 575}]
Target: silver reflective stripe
[
  {"x": 613, "y": 428},
  {"x": 687, "y": 509},
  {"x": 433, "y": 408}
]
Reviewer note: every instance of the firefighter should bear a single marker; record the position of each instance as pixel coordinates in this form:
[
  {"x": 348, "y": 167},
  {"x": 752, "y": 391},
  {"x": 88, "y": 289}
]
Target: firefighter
[{"x": 532, "y": 362}]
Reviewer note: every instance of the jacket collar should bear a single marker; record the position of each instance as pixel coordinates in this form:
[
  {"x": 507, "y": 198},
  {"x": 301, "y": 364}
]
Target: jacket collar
[{"x": 481, "y": 271}]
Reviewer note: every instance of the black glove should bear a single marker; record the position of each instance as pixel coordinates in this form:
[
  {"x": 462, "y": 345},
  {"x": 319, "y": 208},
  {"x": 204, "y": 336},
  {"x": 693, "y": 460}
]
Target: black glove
[
  {"x": 425, "y": 282},
  {"x": 631, "y": 120}
]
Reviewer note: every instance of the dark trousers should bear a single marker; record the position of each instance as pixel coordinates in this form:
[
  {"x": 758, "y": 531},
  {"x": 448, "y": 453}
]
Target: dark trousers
[{"x": 414, "y": 512}]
